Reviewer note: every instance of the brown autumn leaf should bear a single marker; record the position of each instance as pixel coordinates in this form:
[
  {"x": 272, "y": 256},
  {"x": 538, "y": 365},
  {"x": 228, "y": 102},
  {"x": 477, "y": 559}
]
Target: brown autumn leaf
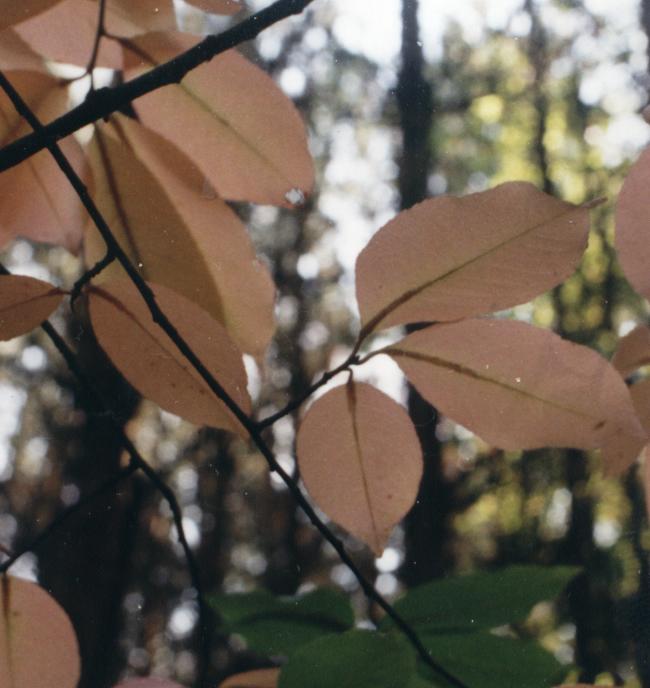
[
  {"x": 449, "y": 258},
  {"x": 633, "y": 351},
  {"x": 218, "y": 6},
  {"x": 25, "y": 303},
  {"x": 518, "y": 386},
  {"x": 17, "y": 55},
  {"x": 38, "y": 646},
  {"x": 15, "y": 11},
  {"x": 147, "y": 190},
  {"x": 632, "y": 220},
  {"x": 150, "y": 361},
  {"x": 361, "y": 460},
  {"x": 259, "y": 678},
  {"x": 36, "y": 199},
  {"x": 232, "y": 121},
  {"x": 66, "y": 32}
]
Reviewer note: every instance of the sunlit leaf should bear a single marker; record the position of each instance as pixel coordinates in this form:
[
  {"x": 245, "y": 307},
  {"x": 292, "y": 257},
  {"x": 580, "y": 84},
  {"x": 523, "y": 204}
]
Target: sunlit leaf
[
  {"x": 355, "y": 659},
  {"x": 260, "y": 678},
  {"x": 632, "y": 222},
  {"x": 15, "y": 11},
  {"x": 231, "y": 119},
  {"x": 480, "y": 600},
  {"x": 146, "y": 357},
  {"x": 25, "y": 303},
  {"x": 218, "y": 6},
  {"x": 66, "y": 33},
  {"x": 518, "y": 386},
  {"x": 633, "y": 351},
  {"x": 361, "y": 460},
  {"x": 149, "y": 193},
  {"x": 448, "y": 258},
  {"x": 36, "y": 199},
  {"x": 38, "y": 646},
  {"x": 278, "y": 626}
]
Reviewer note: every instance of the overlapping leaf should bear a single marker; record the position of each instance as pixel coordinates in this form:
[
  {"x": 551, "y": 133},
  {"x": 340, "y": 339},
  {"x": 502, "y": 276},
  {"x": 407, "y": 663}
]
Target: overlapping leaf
[
  {"x": 632, "y": 222},
  {"x": 449, "y": 258},
  {"x": 520, "y": 387},
  {"x": 218, "y": 6},
  {"x": 38, "y": 646},
  {"x": 146, "y": 357},
  {"x": 36, "y": 200},
  {"x": 633, "y": 351},
  {"x": 149, "y": 193},
  {"x": 361, "y": 460},
  {"x": 15, "y": 54},
  {"x": 12, "y": 12},
  {"x": 277, "y": 626},
  {"x": 66, "y": 32},
  {"x": 259, "y": 678},
  {"x": 25, "y": 303},
  {"x": 231, "y": 120}
]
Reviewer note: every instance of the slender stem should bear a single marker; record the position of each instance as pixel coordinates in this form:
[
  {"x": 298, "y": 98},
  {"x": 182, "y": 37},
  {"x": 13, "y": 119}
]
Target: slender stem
[
  {"x": 247, "y": 423},
  {"x": 79, "y": 506},
  {"x": 104, "y": 101},
  {"x": 352, "y": 360},
  {"x": 100, "y": 265},
  {"x": 99, "y": 34}
]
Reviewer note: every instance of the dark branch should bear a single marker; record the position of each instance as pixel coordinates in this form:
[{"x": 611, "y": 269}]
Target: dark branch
[
  {"x": 105, "y": 101},
  {"x": 100, "y": 265},
  {"x": 247, "y": 423},
  {"x": 99, "y": 34}
]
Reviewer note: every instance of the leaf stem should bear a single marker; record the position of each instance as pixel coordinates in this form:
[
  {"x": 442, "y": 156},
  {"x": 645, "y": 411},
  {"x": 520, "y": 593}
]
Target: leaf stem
[
  {"x": 99, "y": 34},
  {"x": 100, "y": 265}
]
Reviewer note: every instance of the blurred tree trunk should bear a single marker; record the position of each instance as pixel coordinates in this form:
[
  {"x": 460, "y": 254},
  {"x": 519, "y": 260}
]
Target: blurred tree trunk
[{"x": 426, "y": 526}]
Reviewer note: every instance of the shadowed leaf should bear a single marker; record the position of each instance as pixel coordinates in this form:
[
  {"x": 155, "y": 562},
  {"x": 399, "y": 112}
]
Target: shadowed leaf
[
  {"x": 53, "y": 213},
  {"x": 15, "y": 11},
  {"x": 149, "y": 194},
  {"x": 25, "y": 303},
  {"x": 633, "y": 351},
  {"x": 146, "y": 357},
  {"x": 448, "y": 258},
  {"x": 361, "y": 460}
]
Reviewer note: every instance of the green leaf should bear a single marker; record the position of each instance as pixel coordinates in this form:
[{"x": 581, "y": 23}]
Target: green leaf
[
  {"x": 279, "y": 626},
  {"x": 356, "y": 659},
  {"x": 481, "y": 600},
  {"x": 483, "y": 660}
]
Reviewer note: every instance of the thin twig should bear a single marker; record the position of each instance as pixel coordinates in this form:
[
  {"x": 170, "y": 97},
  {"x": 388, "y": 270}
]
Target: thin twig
[
  {"x": 247, "y": 423},
  {"x": 104, "y": 101},
  {"x": 352, "y": 360},
  {"x": 99, "y": 34},
  {"x": 100, "y": 265},
  {"x": 87, "y": 500}
]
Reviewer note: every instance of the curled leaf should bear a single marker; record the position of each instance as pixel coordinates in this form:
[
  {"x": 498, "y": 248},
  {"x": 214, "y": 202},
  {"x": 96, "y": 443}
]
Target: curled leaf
[
  {"x": 518, "y": 386},
  {"x": 361, "y": 460},
  {"x": 213, "y": 116},
  {"x": 150, "y": 361},
  {"x": 449, "y": 258},
  {"x": 148, "y": 191},
  {"x": 38, "y": 646},
  {"x": 25, "y": 303}
]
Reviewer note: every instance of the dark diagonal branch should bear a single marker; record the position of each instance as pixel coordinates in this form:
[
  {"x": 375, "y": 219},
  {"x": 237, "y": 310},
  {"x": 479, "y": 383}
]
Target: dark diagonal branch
[
  {"x": 104, "y": 101},
  {"x": 247, "y": 423}
]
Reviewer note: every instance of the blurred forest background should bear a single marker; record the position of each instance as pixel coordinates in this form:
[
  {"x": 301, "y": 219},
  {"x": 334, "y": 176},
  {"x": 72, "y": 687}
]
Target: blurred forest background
[{"x": 401, "y": 102}]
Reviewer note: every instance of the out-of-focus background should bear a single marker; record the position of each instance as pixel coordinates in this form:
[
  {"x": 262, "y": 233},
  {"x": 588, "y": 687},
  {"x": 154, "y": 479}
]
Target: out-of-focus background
[{"x": 402, "y": 100}]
